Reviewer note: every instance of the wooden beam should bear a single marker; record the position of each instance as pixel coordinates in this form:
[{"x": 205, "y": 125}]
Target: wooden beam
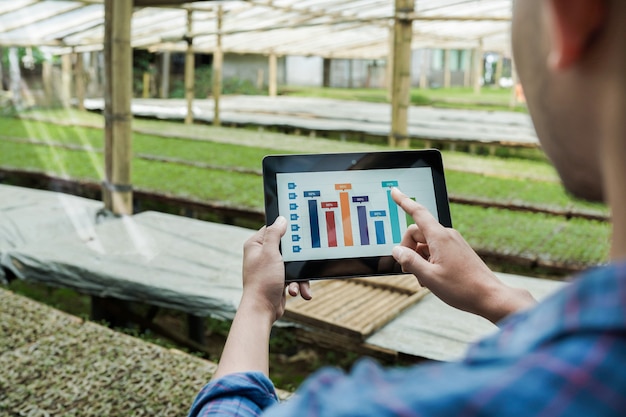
[
  {"x": 190, "y": 72},
  {"x": 401, "y": 82},
  {"x": 117, "y": 189},
  {"x": 218, "y": 59}
]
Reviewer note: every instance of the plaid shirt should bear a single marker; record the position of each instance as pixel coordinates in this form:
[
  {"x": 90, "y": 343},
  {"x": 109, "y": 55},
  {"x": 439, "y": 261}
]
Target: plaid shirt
[{"x": 565, "y": 357}]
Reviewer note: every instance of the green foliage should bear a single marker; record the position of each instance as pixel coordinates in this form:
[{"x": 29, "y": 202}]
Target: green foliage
[
  {"x": 419, "y": 99},
  {"x": 235, "y": 85},
  {"x": 63, "y": 298}
]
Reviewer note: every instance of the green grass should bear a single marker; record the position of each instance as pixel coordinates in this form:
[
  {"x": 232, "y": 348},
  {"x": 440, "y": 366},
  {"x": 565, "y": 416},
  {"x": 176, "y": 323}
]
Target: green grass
[
  {"x": 516, "y": 191},
  {"x": 506, "y": 180},
  {"x": 546, "y": 237}
]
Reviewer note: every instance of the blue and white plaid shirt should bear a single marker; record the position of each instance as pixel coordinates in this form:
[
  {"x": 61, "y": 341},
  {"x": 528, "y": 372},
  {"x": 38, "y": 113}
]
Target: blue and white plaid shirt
[{"x": 565, "y": 357}]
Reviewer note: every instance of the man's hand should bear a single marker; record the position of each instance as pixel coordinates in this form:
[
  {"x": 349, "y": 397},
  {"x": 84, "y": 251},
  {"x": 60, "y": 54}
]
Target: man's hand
[
  {"x": 262, "y": 303},
  {"x": 444, "y": 262},
  {"x": 264, "y": 272}
]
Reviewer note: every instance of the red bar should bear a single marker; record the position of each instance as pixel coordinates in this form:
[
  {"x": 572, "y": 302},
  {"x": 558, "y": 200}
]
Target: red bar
[{"x": 330, "y": 229}]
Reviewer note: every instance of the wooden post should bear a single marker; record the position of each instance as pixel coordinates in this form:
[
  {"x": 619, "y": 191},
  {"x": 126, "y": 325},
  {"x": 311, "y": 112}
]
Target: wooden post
[
  {"x": 190, "y": 64},
  {"x": 66, "y": 79},
  {"x": 273, "y": 75},
  {"x": 145, "y": 93},
  {"x": 499, "y": 65},
  {"x": 467, "y": 68},
  {"x": 15, "y": 79},
  {"x": 1, "y": 69},
  {"x": 513, "y": 101},
  {"x": 390, "y": 63},
  {"x": 478, "y": 67},
  {"x": 446, "y": 68},
  {"x": 46, "y": 78},
  {"x": 260, "y": 78},
  {"x": 401, "y": 83},
  {"x": 79, "y": 76},
  {"x": 218, "y": 59},
  {"x": 424, "y": 70},
  {"x": 326, "y": 72},
  {"x": 166, "y": 60},
  {"x": 117, "y": 189}
]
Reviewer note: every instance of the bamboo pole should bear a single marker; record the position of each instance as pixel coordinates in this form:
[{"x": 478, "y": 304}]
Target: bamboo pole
[
  {"x": 467, "y": 68},
  {"x": 79, "y": 76},
  {"x": 499, "y": 66},
  {"x": 389, "y": 74},
  {"x": 424, "y": 68},
  {"x": 1, "y": 69},
  {"x": 446, "y": 68},
  {"x": 401, "y": 82},
  {"x": 273, "y": 75},
  {"x": 513, "y": 100},
  {"x": 15, "y": 79},
  {"x": 66, "y": 79},
  {"x": 46, "y": 78},
  {"x": 166, "y": 60},
  {"x": 217, "y": 69},
  {"x": 117, "y": 189},
  {"x": 190, "y": 64},
  {"x": 478, "y": 66}
]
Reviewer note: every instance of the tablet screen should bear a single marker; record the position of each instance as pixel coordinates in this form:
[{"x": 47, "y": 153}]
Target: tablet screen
[{"x": 341, "y": 218}]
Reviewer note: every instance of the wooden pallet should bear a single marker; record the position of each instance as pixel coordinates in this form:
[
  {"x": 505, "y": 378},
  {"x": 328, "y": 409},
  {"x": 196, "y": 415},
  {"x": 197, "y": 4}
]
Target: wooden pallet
[{"x": 355, "y": 307}]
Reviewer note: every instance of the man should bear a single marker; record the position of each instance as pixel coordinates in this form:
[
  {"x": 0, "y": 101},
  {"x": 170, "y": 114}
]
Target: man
[{"x": 563, "y": 356}]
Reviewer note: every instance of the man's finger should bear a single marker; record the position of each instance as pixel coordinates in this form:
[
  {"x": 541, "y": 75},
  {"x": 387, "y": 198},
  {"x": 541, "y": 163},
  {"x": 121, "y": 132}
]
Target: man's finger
[
  {"x": 423, "y": 218},
  {"x": 274, "y": 232},
  {"x": 410, "y": 261},
  {"x": 412, "y": 237}
]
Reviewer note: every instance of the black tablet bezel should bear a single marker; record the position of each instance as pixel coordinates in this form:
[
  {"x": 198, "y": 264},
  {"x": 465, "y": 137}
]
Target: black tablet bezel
[{"x": 350, "y": 267}]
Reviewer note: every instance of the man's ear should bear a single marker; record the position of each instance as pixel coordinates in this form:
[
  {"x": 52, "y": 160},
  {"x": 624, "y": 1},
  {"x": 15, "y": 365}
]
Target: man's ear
[{"x": 573, "y": 23}]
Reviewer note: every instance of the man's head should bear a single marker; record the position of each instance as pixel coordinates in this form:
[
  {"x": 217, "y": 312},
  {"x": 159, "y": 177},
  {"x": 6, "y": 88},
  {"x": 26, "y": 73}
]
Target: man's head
[{"x": 569, "y": 55}]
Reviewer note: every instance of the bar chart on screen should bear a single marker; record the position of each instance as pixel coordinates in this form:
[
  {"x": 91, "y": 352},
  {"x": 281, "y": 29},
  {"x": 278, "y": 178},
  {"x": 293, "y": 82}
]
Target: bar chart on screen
[{"x": 346, "y": 214}]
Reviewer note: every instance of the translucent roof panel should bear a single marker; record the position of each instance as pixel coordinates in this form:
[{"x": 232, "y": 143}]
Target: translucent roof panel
[{"x": 329, "y": 28}]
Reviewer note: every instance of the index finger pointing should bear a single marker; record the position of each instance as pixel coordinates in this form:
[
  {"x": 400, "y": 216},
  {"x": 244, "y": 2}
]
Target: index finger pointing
[{"x": 423, "y": 218}]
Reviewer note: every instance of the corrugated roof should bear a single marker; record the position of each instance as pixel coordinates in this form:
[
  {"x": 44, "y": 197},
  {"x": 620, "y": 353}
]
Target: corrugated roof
[{"x": 329, "y": 28}]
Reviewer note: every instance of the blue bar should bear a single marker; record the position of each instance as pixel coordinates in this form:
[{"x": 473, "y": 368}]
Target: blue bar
[
  {"x": 365, "y": 235},
  {"x": 378, "y": 213},
  {"x": 380, "y": 232},
  {"x": 394, "y": 219},
  {"x": 315, "y": 225}
]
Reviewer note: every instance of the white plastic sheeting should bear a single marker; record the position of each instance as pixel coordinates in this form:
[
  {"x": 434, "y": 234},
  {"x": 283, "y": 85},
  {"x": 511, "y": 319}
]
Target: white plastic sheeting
[
  {"x": 168, "y": 261},
  {"x": 329, "y": 28}
]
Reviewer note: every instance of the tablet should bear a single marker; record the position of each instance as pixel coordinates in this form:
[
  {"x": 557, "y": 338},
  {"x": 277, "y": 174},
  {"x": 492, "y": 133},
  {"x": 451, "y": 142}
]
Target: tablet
[{"x": 342, "y": 221}]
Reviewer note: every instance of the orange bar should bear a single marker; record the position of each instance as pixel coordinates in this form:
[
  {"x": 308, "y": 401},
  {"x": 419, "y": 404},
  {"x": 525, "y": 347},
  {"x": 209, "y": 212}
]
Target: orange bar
[{"x": 345, "y": 217}]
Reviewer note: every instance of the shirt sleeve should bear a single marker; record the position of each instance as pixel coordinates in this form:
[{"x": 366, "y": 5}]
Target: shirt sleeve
[{"x": 240, "y": 394}]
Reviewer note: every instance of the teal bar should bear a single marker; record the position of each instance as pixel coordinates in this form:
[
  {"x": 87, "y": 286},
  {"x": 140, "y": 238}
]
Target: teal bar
[{"x": 396, "y": 236}]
